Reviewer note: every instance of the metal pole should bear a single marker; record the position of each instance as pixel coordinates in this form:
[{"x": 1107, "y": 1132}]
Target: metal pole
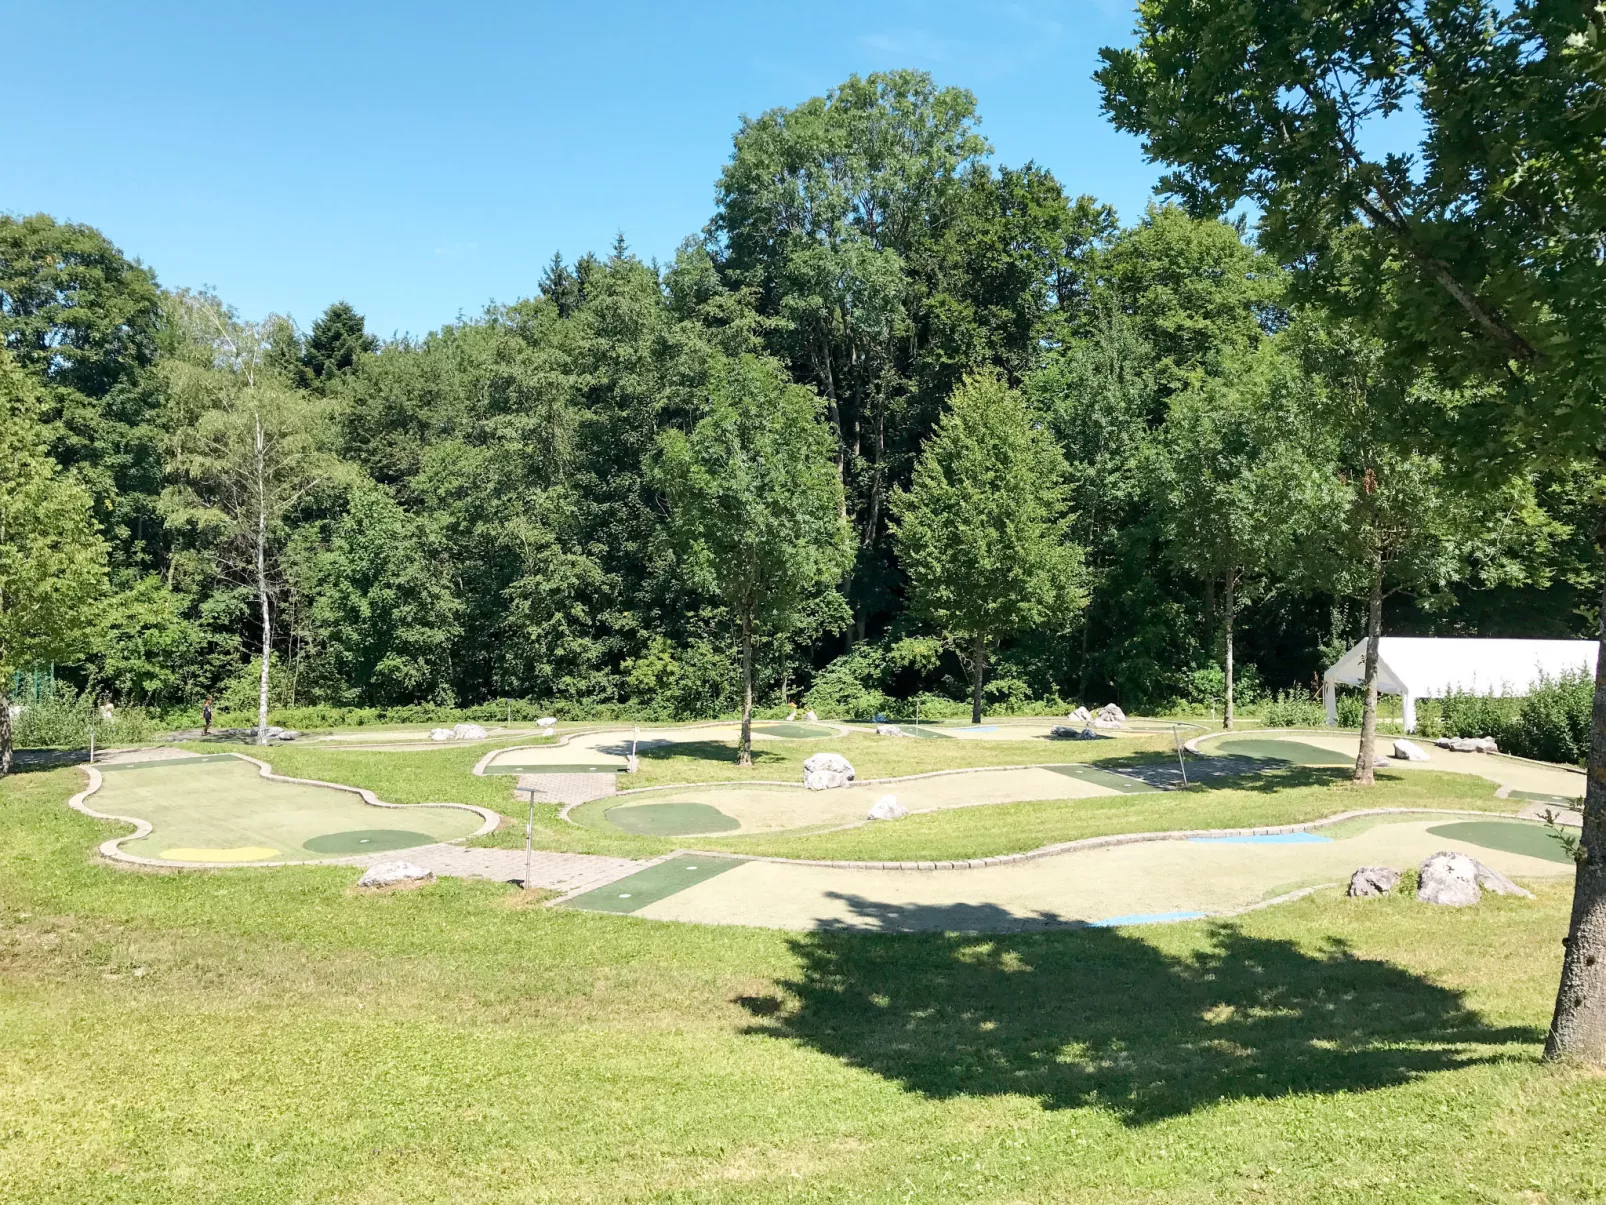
[
  {"x": 1181, "y": 765},
  {"x": 529, "y": 843},
  {"x": 91, "y": 742}
]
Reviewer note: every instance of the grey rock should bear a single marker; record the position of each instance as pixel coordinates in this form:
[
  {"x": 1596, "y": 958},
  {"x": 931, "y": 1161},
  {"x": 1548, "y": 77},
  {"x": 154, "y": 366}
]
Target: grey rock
[
  {"x": 1111, "y": 712},
  {"x": 1374, "y": 880},
  {"x": 1450, "y": 879},
  {"x": 1491, "y": 879},
  {"x": 1468, "y": 744},
  {"x": 440, "y": 734},
  {"x": 1081, "y": 715},
  {"x": 887, "y": 808},
  {"x": 827, "y": 771},
  {"x": 1410, "y": 751},
  {"x": 810, "y": 716},
  {"x": 388, "y": 874},
  {"x": 888, "y": 730},
  {"x": 468, "y": 732}
]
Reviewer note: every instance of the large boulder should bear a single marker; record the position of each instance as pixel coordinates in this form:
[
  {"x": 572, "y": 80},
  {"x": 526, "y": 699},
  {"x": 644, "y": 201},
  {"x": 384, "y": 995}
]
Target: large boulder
[
  {"x": 1448, "y": 878},
  {"x": 1112, "y": 712},
  {"x": 469, "y": 732},
  {"x": 1491, "y": 879},
  {"x": 1468, "y": 744},
  {"x": 546, "y": 721},
  {"x": 887, "y": 808},
  {"x": 1409, "y": 751},
  {"x": 389, "y": 874},
  {"x": 1374, "y": 880},
  {"x": 810, "y": 716},
  {"x": 826, "y": 771},
  {"x": 1080, "y": 716},
  {"x": 1066, "y": 732},
  {"x": 440, "y": 734},
  {"x": 888, "y": 730}
]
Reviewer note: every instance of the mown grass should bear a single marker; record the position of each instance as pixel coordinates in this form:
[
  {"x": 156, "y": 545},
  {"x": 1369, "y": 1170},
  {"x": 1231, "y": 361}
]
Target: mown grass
[{"x": 273, "y": 1036}]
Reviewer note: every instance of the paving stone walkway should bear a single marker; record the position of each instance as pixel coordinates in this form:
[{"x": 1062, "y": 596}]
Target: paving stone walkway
[
  {"x": 569, "y": 788},
  {"x": 555, "y": 872}
]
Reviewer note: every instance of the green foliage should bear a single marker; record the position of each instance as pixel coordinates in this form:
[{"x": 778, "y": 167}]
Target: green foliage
[
  {"x": 982, "y": 530},
  {"x": 64, "y": 720},
  {"x": 335, "y": 345},
  {"x": 151, "y": 652},
  {"x": 1296, "y": 708},
  {"x": 52, "y": 558},
  {"x": 1550, "y": 723},
  {"x": 756, "y": 506}
]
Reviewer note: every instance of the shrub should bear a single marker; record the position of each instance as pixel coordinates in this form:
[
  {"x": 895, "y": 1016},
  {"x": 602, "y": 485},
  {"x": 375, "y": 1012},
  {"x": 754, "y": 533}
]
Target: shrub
[
  {"x": 65, "y": 718},
  {"x": 1552, "y": 724},
  {"x": 1297, "y": 708}
]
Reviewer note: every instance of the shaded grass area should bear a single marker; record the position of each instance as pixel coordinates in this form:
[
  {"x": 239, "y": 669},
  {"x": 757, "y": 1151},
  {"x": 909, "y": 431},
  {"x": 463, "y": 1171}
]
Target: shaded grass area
[{"x": 273, "y": 1036}]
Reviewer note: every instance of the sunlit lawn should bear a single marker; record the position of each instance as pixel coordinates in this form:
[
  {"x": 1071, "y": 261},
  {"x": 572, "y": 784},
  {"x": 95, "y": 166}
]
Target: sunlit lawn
[{"x": 274, "y": 1036}]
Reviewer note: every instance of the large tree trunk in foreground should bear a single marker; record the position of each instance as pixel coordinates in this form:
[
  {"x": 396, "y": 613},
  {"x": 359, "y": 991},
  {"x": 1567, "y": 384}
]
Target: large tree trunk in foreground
[
  {"x": 1366, "y": 759},
  {"x": 1227, "y": 632},
  {"x": 262, "y": 584},
  {"x": 980, "y": 652},
  {"x": 745, "y": 756},
  {"x": 5, "y": 732},
  {"x": 1578, "y": 1028}
]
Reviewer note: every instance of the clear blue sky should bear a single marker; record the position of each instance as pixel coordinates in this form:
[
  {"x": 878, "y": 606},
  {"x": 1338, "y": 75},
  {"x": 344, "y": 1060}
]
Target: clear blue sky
[{"x": 419, "y": 160}]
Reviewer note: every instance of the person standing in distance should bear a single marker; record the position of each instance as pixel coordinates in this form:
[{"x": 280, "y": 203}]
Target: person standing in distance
[{"x": 206, "y": 717}]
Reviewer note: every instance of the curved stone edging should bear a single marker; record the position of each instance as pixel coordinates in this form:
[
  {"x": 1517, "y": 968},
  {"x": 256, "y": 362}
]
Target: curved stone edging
[
  {"x": 1086, "y": 843},
  {"x": 113, "y": 850}
]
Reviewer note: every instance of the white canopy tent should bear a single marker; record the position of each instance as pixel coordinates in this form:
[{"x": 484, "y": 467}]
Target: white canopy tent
[{"x": 1427, "y": 667}]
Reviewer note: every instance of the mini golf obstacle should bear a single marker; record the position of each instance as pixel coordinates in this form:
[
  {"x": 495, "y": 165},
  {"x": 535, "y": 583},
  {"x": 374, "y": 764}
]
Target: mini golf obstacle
[
  {"x": 227, "y": 809},
  {"x": 1103, "y": 881}
]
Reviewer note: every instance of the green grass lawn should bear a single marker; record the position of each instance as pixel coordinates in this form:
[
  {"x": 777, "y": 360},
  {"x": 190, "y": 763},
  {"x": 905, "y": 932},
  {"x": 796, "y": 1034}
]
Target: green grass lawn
[{"x": 274, "y": 1036}]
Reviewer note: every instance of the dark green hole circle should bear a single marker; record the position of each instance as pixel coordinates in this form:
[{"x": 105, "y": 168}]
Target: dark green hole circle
[{"x": 366, "y": 840}]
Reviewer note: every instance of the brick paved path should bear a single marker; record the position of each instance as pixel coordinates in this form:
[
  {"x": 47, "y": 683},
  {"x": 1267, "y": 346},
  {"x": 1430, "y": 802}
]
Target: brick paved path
[
  {"x": 557, "y": 872},
  {"x": 569, "y": 788}
]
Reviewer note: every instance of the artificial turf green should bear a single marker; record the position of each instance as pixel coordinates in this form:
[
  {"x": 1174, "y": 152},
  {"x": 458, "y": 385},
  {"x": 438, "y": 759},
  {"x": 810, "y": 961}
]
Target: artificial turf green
[
  {"x": 1533, "y": 840},
  {"x": 1296, "y": 753},
  {"x": 366, "y": 841},
  {"x": 1124, "y": 783},
  {"x": 670, "y": 819},
  {"x": 657, "y": 882}
]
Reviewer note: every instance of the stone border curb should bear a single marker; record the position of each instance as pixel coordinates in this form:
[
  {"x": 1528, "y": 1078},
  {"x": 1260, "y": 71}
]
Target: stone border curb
[
  {"x": 1086, "y": 843},
  {"x": 112, "y": 849}
]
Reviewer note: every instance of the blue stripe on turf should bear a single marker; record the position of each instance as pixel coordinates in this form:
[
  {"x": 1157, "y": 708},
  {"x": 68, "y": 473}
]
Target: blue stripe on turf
[{"x": 1144, "y": 918}]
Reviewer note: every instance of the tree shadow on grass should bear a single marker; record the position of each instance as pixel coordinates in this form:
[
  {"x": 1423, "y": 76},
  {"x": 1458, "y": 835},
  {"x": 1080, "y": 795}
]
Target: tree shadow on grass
[
  {"x": 1096, "y": 1017},
  {"x": 715, "y": 751}
]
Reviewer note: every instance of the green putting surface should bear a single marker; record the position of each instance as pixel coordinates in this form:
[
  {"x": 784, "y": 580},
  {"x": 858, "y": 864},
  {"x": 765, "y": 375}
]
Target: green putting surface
[
  {"x": 222, "y": 810},
  {"x": 655, "y": 883},
  {"x": 795, "y": 732},
  {"x": 670, "y": 819},
  {"x": 1561, "y": 801},
  {"x": 366, "y": 841},
  {"x": 1123, "y": 783},
  {"x": 1270, "y": 749},
  {"x": 1530, "y": 840}
]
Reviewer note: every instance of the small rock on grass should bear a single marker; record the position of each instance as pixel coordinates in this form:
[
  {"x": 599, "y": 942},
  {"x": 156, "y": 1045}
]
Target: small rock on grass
[
  {"x": 888, "y": 730},
  {"x": 1456, "y": 880},
  {"x": 1374, "y": 880},
  {"x": 887, "y": 808},
  {"x": 389, "y": 874}
]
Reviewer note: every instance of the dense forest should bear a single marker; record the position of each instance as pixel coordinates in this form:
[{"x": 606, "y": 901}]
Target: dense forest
[{"x": 1218, "y": 454}]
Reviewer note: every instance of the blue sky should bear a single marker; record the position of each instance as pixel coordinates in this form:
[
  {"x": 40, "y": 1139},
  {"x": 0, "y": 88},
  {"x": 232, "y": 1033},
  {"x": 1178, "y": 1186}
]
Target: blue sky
[{"x": 420, "y": 160}]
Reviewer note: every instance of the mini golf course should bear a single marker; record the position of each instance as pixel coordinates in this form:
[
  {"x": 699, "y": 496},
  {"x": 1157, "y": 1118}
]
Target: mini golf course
[
  {"x": 1102, "y": 881},
  {"x": 218, "y": 809}
]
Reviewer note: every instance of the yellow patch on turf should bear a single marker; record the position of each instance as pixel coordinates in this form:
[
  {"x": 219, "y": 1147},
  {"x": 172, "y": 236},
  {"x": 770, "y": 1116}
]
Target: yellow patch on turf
[{"x": 242, "y": 853}]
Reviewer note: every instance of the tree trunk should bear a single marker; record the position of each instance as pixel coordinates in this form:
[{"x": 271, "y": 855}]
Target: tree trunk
[
  {"x": 5, "y": 730},
  {"x": 1578, "y": 1027},
  {"x": 262, "y": 584},
  {"x": 1230, "y": 601},
  {"x": 1366, "y": 759},
  {"x": 745, "y": 756},
  {"x": 980, "y": 668}
]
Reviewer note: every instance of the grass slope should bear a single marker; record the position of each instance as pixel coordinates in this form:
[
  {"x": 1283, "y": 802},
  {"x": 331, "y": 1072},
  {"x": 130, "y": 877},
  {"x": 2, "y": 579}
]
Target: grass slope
[{"x": 232, "y": 1036}]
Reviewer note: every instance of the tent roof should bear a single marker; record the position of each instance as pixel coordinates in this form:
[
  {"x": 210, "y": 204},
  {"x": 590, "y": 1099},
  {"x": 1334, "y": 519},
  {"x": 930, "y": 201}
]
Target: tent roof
[{"x": 1425, "y": 666}]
